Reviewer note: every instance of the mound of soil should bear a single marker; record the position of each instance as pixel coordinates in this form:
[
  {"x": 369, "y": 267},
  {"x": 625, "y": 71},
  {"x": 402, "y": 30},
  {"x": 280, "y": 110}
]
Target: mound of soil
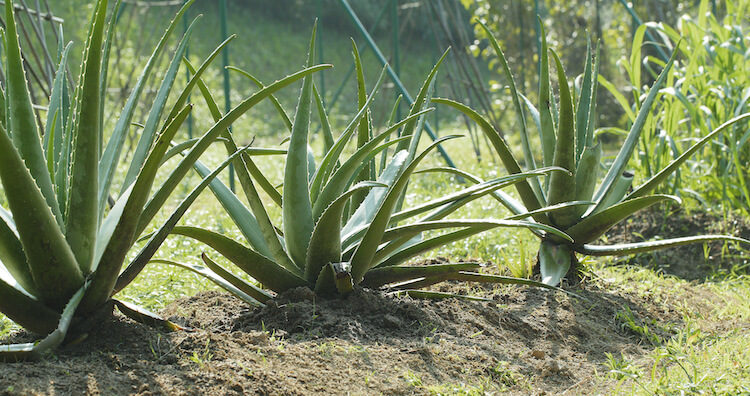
[
  {"x": 690, "y": 262},
  {"x": 526, "y": 341}
]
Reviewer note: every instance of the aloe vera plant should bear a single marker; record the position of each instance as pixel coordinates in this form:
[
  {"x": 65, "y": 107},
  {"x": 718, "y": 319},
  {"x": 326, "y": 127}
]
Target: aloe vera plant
[
  {"x": 62, "y": 246},
  {"x": 331, "y": 238},
  {"x": 577, "y": 201}
]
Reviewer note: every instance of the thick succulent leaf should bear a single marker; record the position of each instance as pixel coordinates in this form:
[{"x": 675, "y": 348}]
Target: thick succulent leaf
[
  {"x": 487, "y": 278},
  {"x": 584, "y": 105},
  {"x": 623, "y": 156},
  {"x": 362, "y": 258},
  {"x": 562, "y": 184},
  {"x": 546, "y": 125},
  {"x": 246, "y": 287},
  {"x": 620, "y": 187},
  {"x": 520, "y": 119},
  {"x": 378, "y": 277},
  {"x": 587, "y": 174},
  {"x": 435, "y": 295},
  {"x": 57, "y": 114},
  {"x": 215, "y": 278},
  {"x": 241, "y": 216},
  {"x": 31, "y": 351},
  {"x": 151, "y": 126},
  {"x": 145, "y": 316},
  {"x": 325, "y": 125},
  {"x": 473, "y": 227},
  {"x": 148, "y": 251},
  {"x": 262, "y": 269},
  {"x": 365, "y": 213},
  {"x": 246, "y": 167},
  {"x": 325, "y": 243},
  {"x": 554, "y": 262},
  {"x": 220, "y": 126},
  {"x": 50, "y": 259},
  {"x": 594, "y": 226},
  {"x": 29, "y": 313},
  {"x": 107, "y": 228},
  {"x": 21, "y": 122},
  {"x": 528, "y": 197},
  {"x": 105, "y": 271},
  {"x": 331, "y": 159},
  {"x": 672, "y": 167},
  {"x": 13, "y": 258},
  {"x": 297, "y": 219},
  {"x": 643, "y": 247},
  {"x": 82, "y": 210},
  {"x": 111, "y": 155},
  {"x": 364, "y": 130},
  {"x": 279, "y": 108}
]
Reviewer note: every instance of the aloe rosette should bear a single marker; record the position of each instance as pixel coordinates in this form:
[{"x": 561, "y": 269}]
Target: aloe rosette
[
  {"x": 63, "y": 246},
  {"x": 342, "y": 218},
  {"x": 577, "y": 201}
]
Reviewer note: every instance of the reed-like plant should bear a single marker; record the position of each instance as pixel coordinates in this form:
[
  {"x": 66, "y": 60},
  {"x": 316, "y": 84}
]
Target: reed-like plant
[
  {"x": 63, "y": 245},
  {"x": 577, "y": 201},
  {"x": 341, "y": 225}
]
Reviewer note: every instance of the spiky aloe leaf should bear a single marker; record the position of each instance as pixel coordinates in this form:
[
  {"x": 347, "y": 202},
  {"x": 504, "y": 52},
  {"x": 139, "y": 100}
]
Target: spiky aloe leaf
[
  {"x": 362, "y": 258},
  {"x": 669, "y": 169},
  {"x": 51, "y": 261},
  {"x": 587, "y": 172},
  {"x": 325, "y": 243},
  {"x": 82, "y": 210},
  {"x": 435, "y": 295},
  {"x": 57, "y": 115},
  {"x": 546, "y": 125},
  {"x": 554, "y": 262},
  {"x": 378, "y": 277},
  {"x": 32, "y": 314},
  {"x": 32, "y": 351},
  {"x": 145, "y": 316},
  {"x": 222, "y": 280},
  {"x": 140, "y": 261},
  {"x": 623, "y": 156},
  {"x": 561, "y": 184},
  {"x": 643, "y": 247},
  {"x": 246, "y": 287},
  {"x": 111, "y": 155},
  {"x": 364, "y": 130},
  {"x": 13, "y": 258},
  {"x": 21, "y": 123},
  {"x": 594, "y": 226},
  {"x": 585, "y": 107},
  {"x": 296, "y": 206},
  {"x": 527, "y": 195},
  {"x": 263, "y": 269}
]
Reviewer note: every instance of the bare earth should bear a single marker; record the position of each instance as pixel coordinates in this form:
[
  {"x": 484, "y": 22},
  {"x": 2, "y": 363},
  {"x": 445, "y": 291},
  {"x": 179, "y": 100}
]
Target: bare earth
[{"x": 526, "y": 341}]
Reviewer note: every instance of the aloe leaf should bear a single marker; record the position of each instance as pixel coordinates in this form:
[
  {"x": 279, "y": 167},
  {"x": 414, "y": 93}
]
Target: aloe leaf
[
  {"x": 435, "y": 295},
  {"x": 148, "y": 251},
  {"x": 362, "y": 258},
  {"x": 554, "y": 262},
  {"x": 157, "y": 108},
  {"x": 669, "y": 169},
  {"x": 528, "y": 197},
  {"x": 21, "y": 123},
  {"x": 488, "y": 278},
  {"x": 472, "y": 228},
  {"x": 145, "y": 316},
  {"x": 561, "y": 184},
  {"x": 587, "y": 173},
  {"x": 31, "y": 351},
  {"x": 623, "y": 156},
  {"x": 247, "y": 167},
  {"x": 108, "y": 226},
  {"x": 594, "y": 226},
  {"x": 331, "y": 159},
  {"x": 106, "y": 50},
  {"x": 13, "y": 258},
  {"x": 364, "y": 130},
  {"x": 366, "y": 212},
  {"x": 51, "y": 261},
  {"x": 378, "y": 277},
  {"x": 272, "y": 98},
  {"x": 619, "y": 97},
  {"x": 187, "y": 162},
  {"x": 241, "y": 216},
  {"x": 583, "y": 107},
  {"x": 105, "y": 271},
  {"x": 325, "y": 125},
  {"x": 325, "y": 242},
  {"x": 111, "y": 155},
  {"x": 246, "y": 287},
  {"x": 261, "y": 268},
  {"x": 82, "y": 210},
  {"x": 30, "y": 313},
  {"x": 619, "y": 189},
  {"x": 546, "y": 126},
  {"x": 296, "y": 207},
  {"x": 523, "y": 133},
  {"x": 643, "y": 247},
  {"x": 213, "y": 277},
  {"x": 57, "y": 113}
]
